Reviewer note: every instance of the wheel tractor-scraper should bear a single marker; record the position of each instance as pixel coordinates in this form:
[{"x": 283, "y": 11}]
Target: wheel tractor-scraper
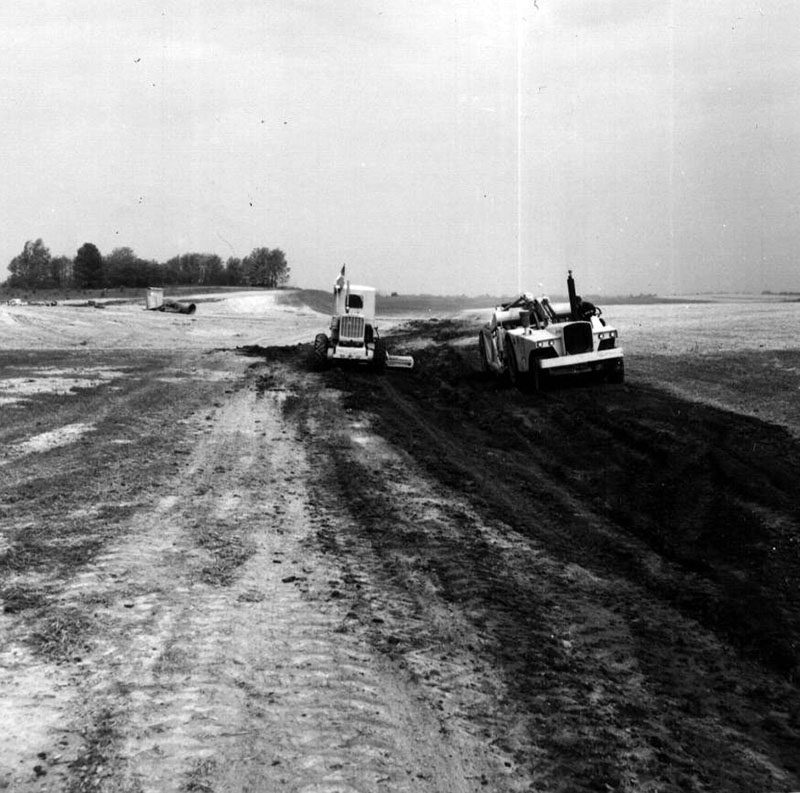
[
  {"x": 532, "y": 341},
  {"x": 354, "y": 335}
]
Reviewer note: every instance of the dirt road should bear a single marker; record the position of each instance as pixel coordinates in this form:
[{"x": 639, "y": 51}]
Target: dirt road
[{"x": 225, "y": 571}]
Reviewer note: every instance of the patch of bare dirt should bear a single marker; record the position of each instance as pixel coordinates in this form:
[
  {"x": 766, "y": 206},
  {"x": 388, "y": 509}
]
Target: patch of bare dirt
[
  {"x": 171, "y": 624},
  {"x": 647, "y": 619},
  {"x": 251, "y": 575}
]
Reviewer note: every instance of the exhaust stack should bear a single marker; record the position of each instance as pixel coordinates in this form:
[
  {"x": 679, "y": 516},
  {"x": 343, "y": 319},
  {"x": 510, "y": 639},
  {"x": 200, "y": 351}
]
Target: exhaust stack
[{"x": 573, "y": 300}]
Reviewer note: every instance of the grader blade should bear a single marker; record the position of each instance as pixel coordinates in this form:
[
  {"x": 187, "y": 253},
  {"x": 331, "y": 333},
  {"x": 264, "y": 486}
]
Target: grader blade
[{"x": 399, "y": 361}]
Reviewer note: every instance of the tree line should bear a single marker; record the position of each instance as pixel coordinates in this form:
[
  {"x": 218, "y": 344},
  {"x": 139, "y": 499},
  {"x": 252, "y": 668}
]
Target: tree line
[{"x": 35, "y": 268}]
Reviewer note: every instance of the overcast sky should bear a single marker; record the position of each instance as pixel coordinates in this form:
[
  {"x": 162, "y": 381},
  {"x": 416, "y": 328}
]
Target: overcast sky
[{"x": 443, "y": 146}]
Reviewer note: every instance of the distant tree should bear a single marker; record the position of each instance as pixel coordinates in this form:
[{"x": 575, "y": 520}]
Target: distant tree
[
  {"x": 265, "y": 267},
  {"x": 214, "y": 272},
  {"x": 88, "y": 268},
  {"x": 149, "y": 273},
  {"x": 60, "y": 271},
  {"x": 125, "y": 268},
  {"x": 31, "y": 269},
  {"x": 234, "y": 272},
  {"x": 173, "y": 270},
  {"x": 196, "y": 269}
]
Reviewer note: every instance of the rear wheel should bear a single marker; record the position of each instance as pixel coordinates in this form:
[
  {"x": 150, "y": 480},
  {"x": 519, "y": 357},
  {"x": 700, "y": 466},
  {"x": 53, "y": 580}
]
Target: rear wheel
[
  {"x": 321, "y": 345},
  {"x": 484, "y": 347},
  {"x": 379, "y": 355}
]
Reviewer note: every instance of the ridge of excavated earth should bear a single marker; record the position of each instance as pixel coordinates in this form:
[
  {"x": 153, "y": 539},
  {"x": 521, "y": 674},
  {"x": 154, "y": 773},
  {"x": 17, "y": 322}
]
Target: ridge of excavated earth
[{"x": 226, "y": 570}]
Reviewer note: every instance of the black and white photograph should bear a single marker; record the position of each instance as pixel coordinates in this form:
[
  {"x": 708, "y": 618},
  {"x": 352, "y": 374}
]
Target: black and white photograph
[{"x": 400, "y": 397}]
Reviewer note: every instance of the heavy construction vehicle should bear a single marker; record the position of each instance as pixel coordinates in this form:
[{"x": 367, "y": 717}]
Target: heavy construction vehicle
[
  {"x": 354, "y": 335},
  {"x": 531, "y": 340}
]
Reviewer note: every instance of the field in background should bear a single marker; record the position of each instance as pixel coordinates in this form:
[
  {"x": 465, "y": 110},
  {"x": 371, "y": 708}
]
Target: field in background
[
  {"x": 389, "y": 304},
  {"x": 446, "y": 305}
]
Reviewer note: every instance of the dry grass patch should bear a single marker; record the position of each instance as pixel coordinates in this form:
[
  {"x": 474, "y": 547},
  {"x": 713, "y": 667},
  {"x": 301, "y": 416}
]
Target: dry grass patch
[
  {"x": 62, "y": 634},
  {"x": 228, "y": 552}
]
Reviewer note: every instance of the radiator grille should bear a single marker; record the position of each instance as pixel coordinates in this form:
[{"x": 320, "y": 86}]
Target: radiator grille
[
  {"x": 578, "y": 338},
  {"x": 351, "y": 328}
]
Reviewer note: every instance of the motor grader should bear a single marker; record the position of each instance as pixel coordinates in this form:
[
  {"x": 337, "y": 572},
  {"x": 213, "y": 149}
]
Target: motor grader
[
  {"x": 533, "y": 341},
  {"x": 354, "y": 336}
]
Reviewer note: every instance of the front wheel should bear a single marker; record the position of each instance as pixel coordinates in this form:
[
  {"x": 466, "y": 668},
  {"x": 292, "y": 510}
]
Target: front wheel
[
  {"x": 379, "y": 355},
  {"x": 538, "y": 377},
  {"x": 321, "y": 345},
  {"x": 511, "y": 364}
]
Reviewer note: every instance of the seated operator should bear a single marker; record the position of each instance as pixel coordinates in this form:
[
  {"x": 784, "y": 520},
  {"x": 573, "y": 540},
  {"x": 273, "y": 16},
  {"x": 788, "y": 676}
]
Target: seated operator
[{"x": 586, "y": 310}]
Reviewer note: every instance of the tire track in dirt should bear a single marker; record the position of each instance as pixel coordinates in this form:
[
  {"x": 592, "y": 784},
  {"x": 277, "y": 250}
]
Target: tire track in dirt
[
  {"x": 469, "y": 609},
  {"x": 445, "y": 616},
  {"x": 606, "y": 683},
  {"x": 708, "y": 491},
  {"x": 218, "y": 659},
  {"x": 394, "y": 605}
]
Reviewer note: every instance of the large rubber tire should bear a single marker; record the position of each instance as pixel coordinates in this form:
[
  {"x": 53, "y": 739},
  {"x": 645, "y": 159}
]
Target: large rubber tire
[
  {"x": 487, "y": 352},
  {"x": 482, "y": 352},
  {"x": 379, "y": 355},
  {"x": 321, "y": 344},
  {"x": 537, "y": 378},
  {"x": 511, "y": 365}
]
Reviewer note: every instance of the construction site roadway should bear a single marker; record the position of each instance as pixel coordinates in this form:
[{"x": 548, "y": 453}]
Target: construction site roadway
[{"x": 224, "y": 570}]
